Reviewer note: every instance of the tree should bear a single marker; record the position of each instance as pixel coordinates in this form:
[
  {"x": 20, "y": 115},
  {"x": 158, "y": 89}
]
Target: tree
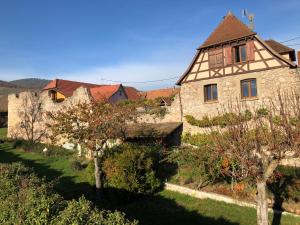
[
  {"x": 258, "y": 145},
  {"x": 31, "y": 116},
  {"x": 93, "y": 125}
]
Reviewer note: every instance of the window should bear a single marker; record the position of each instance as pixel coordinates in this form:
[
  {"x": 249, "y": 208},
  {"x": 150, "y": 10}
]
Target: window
[
  {"x": 210, "y": 92},
  {"x": 248, "y": 88},
  {"x": 215, "y": 58},
  {"x": 239, "y": 53}
]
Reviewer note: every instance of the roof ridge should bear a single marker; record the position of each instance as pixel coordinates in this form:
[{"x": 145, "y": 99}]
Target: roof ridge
[{"x": 220, "y": 25}]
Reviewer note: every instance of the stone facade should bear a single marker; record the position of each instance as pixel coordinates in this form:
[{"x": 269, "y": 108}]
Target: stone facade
[
  {"x": 16, "y": 101},
  {"x": 269, "y": 82},
  {"x": 190, "y": 100}
]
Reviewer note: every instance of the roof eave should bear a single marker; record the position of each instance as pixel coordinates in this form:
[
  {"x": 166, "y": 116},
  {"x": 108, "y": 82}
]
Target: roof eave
[{"x": 225, "y": 42}]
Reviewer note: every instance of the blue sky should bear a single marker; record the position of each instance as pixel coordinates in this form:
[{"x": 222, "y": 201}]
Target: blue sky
[{"x": 125, "y": 40}]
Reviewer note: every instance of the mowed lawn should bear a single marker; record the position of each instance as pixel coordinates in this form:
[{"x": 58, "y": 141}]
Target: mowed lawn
[
  {"x": 3, "y": 132},
  {"x": 166, "y": 207}
]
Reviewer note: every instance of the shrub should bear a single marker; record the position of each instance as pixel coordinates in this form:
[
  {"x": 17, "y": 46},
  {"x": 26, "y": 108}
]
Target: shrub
[
  {"x": 197, "y": 139},
  {"x": 81, "y": 212},
  {"x": 76, "y": 165},
  {"x": 196, "y": 165},
  {"x": 222, "y": 120},
  {"x": 133, "y": 168},
  {"x": 285, "y": 183},
  {"x": 26, "y": 199}
]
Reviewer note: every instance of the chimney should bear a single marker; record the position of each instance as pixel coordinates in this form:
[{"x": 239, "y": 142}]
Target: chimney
[{"x": 298, "y": 56}]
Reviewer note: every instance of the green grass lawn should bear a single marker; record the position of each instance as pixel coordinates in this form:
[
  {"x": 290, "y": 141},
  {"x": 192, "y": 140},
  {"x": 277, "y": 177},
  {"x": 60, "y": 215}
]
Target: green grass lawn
[
  {"x": 69, "y": 183},
  {"x": 163, "y": 208},
  {"x": 3, "y": 132}
]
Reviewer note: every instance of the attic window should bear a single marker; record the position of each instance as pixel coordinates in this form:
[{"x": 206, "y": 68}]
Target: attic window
[
  {"x": 215, "y": 58},
  {"x": 239, "y": 54}
]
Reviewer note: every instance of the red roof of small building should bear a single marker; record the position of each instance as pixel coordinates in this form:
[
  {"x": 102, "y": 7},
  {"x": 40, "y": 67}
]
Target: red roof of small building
[
  {"x": 104, "y": 92},
  {"x": 160, "y": 93},
  {"x": 231, "y": 28},
  {"x": 98, "y": 92},
  {"x": 132, "y": 93},
  {"x": 67, "y": 87}
]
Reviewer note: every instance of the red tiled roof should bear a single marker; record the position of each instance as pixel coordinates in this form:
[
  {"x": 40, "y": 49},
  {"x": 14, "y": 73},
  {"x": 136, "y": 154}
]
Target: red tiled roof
[
  {"x": 104, "y": 92},
  {"x": 230, "y": 28},
  {"x": 132, "y": 93},
  {"x": 160, "y": 93},
  {"x": 67, "y": 87},
  {"x": 278, "y": 47}
]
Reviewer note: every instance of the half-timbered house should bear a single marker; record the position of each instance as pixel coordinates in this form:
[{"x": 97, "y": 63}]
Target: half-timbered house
[{"x": 235, "y": 64}]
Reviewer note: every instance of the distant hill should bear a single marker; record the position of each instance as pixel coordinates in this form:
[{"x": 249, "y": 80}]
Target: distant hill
[
  {"x": 7, "y": 84},
  {"x": 32, "y": 83},
  {"x": 18, "y": 86}
]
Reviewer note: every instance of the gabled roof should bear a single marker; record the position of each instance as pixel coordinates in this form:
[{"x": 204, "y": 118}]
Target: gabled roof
[
  {"x": 278, "y": 47},
  {"x": 67, "y": 87},
  {"x": 102, "y": 93},
  {"x": 275, "y": 53},
  {"x": 282, "y": 49},
  {"x": 132, "y": 93},
  {"x": 230, "y": 28}
]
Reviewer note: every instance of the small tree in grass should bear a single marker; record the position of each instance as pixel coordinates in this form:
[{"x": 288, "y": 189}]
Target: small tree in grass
[
  {"x": 258, "y": 145},
  {"x": 31, "y": 115},
  {"x": 93, "y": 125}
]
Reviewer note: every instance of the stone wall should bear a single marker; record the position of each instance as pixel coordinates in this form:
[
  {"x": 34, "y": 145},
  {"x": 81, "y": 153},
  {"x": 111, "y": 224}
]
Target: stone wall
[
  {"x": 16, "y": 101},
  {"x": 190, "y": 101}
]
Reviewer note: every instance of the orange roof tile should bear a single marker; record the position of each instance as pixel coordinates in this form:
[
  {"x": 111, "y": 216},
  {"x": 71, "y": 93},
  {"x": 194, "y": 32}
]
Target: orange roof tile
[
  {"x": 132, "y": 93},
  {"x": 67, "y": 87},
  {"x": 104, "y": 92},
  {"x": 278, "y": 47},
  {"x": 230, "y": 28},
  {"x": 160, "y": 93}
]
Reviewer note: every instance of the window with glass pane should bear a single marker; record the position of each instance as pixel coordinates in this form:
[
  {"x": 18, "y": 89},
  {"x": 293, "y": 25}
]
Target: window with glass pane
[
  {"x": 239, "y": 53},
  {"x": 210, "y": 92},
  {"x": 248, "y": 88}
]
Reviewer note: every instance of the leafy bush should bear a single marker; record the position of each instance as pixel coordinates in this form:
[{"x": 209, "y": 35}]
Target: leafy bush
[
  {"x": 196, "y": 165},
  {"x": 285, "y": 183},
  {"x": 26, "y": 199},
  {"x": 221, "y": 120},
  {"x": 81, "y": 212},
  {"x": 76, "y": 165},
  {"x": 133, "y": 168},
  {"x": 197, "y": 139}
]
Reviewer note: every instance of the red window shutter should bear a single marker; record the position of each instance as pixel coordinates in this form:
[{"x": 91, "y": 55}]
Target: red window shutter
[
  {"x": 250, "y": 50},
  {"x": 228, "y": 55}
]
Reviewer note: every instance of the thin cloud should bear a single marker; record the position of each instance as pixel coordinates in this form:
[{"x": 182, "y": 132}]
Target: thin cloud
[{"x": 130, "y": 72}]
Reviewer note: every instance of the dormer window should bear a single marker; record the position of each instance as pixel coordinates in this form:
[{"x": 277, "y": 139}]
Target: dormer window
[{"x": 239, "y": 54}]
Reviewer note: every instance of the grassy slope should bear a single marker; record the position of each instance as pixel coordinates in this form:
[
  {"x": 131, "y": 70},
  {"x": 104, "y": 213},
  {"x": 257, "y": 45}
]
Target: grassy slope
[{"x": 164, "y": 208}]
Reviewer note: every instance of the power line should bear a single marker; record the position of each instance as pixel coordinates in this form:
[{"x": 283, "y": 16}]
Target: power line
[
  {"x": 140, "y": 82},
  {"x": 294, "y": 44},
  {"x": 295, "y": 38}
]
